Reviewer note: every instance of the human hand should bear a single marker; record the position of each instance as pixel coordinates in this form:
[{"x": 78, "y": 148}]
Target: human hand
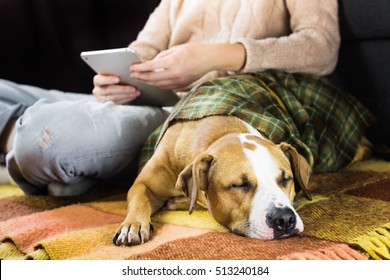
[
  {"x": 176, "y": 67},
  {"x": 106, "y": 88}
]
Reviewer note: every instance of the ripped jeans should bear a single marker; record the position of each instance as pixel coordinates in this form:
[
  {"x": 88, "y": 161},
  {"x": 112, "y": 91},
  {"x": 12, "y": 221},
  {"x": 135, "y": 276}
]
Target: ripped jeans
[{"x": 66, "y": 137}]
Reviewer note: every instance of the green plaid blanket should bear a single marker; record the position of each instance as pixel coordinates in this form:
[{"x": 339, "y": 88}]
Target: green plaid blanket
[{"x": 306, "y": 111}]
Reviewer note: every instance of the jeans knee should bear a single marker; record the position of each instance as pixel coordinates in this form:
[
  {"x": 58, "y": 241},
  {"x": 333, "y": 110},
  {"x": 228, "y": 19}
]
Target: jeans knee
[
  {"x": 33, "y": 149},
  {"x": 31, "y": 152}
]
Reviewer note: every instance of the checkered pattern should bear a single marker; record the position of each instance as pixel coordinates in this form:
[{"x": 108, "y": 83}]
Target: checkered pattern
[{"x": 322, "y": 122}]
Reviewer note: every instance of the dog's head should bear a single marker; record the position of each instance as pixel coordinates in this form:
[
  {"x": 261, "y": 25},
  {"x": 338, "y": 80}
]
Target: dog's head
[{"x": 249, "y": 184}]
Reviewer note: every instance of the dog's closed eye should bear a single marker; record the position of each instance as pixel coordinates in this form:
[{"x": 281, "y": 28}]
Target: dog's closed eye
[
  {"x": 284, "y": 179},
  {"x": 244, "y": 185}
]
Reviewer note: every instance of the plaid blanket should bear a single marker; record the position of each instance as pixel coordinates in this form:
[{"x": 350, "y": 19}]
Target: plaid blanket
[{"x": 306, "y": 111}]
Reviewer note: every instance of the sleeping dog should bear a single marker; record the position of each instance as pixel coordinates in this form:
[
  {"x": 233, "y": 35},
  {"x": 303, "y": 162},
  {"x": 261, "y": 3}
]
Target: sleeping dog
[{"x": 246, "y": 180}]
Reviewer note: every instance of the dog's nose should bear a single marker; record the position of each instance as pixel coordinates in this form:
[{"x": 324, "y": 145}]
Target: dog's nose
[{"x": 283, "y": 221}]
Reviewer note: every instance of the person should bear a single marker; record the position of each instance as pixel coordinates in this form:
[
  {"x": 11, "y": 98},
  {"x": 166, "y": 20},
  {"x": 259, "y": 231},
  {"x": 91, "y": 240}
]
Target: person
[{"x": 63, "y": 142}]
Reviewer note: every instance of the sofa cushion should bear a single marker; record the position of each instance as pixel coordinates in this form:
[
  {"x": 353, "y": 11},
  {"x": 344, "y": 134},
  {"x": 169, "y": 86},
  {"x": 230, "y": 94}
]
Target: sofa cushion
[
  {"x": 363, "y": 20},
  {"x": 364, "y": 59}
]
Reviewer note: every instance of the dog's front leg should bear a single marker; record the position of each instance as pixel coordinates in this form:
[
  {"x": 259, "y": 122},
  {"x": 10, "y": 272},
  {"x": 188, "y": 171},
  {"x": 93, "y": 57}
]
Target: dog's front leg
[{"x": 137, "y": 227}]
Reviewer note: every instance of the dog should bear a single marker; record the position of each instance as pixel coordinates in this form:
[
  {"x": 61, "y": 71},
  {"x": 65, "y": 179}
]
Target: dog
[
  {"x": 223, "y": 164},
  {"x": 242, "y": 147}
]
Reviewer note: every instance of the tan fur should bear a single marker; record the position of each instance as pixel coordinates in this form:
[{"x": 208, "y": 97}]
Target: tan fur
[{"x": 202, "y": 159}]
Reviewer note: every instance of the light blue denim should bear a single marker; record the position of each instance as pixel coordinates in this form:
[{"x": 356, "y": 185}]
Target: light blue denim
[{"x": 66, "y": 137}]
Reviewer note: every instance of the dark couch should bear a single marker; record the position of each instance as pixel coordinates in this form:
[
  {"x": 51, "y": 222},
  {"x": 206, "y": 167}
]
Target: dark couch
[
  {"x": 41, "y": 42},
  {"x": 364, "y": 62}
]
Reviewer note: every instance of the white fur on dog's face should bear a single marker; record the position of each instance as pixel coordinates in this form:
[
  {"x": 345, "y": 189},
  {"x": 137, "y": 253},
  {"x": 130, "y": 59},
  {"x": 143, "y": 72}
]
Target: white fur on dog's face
[
  {"x": 257, "y": 182},
  {"x": 268, "y": 170}
]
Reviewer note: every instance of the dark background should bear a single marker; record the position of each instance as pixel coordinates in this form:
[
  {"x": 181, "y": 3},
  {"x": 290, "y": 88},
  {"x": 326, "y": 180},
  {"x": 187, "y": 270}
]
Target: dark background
[{"x": 41, "y": 40}]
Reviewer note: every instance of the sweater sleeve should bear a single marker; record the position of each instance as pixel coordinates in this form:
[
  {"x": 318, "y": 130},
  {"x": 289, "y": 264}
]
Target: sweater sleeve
[
  {"x": 155, "y": 35},
  {"x": 312, "y": 47}
]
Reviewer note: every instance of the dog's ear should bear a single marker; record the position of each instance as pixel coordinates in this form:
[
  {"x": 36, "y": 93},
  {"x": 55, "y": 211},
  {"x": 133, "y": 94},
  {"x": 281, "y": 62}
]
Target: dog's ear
[
  {"x": 300, "y": 168},
  {"x": 194, "y": 178}
]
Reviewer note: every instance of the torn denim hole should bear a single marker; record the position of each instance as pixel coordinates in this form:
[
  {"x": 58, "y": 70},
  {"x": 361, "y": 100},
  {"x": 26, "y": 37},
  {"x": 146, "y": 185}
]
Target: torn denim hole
[{"x": 46, "y": 139}]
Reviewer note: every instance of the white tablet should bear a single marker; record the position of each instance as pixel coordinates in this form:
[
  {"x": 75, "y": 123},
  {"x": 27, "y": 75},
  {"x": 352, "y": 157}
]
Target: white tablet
[{"x": 117, "y": 62}]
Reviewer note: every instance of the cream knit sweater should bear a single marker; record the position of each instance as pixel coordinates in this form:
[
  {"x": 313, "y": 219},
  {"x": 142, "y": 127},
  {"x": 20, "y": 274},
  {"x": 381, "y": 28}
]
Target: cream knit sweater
[{"x": 290, "y": 35}]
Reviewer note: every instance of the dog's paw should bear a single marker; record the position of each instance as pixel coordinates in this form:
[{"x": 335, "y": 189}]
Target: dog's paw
[{"x": 129, "y": 234}]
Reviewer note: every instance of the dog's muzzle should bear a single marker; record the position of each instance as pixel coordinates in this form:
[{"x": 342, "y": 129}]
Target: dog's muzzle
[{"x": 283, "y": 221}]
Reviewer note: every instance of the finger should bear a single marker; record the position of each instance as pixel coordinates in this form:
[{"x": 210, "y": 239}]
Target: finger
[
  {"x": 103, "y": 80},
  {"x": 99, "y": 93},
  {"x": 118, "y": 98},
  {"x": 112, "y": 89},
  {"x": 151, "y": 76},
  {"x": 119, "y": 89},
  {"x": 155, "y": 65},
  {"x": 148, "y": 66},
  {"x": 122, "y": 99},
  {"x": 152, "y": 65}
]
